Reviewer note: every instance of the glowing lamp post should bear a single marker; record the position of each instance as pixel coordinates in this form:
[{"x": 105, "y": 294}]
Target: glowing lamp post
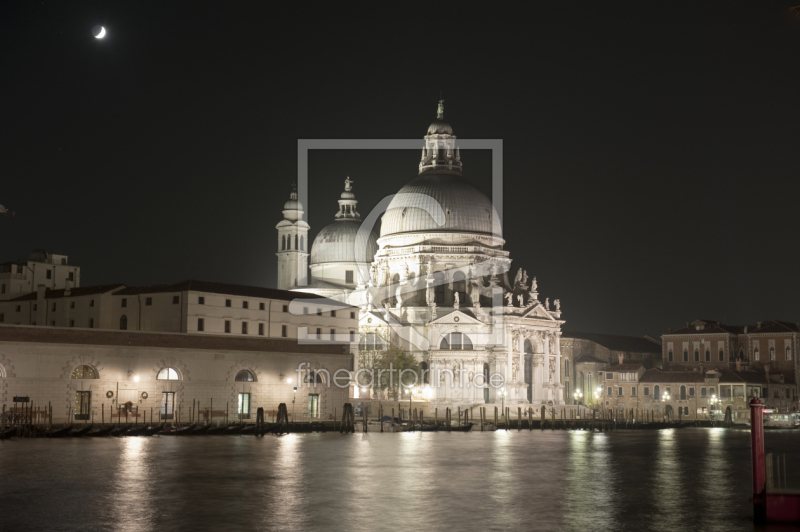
[
  {"x": 597, "y": 394},
  {"x": 711, "y": 406},
  {"x": 578, "y": 396},
  {"x": 665, "y": 398}
]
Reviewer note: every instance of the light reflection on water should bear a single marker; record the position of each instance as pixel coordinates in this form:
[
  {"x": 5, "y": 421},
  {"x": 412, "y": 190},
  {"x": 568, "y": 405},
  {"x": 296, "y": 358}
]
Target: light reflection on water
[{"x": 696, "y": 479}]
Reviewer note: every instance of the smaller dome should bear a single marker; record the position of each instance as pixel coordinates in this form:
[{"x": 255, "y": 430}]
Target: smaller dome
[
  {"x": 337, "y": 243},
  {"x": 440, "y": 127},
  {"x": 292, "y": 205},
  {"x": 348, "y": 195}
]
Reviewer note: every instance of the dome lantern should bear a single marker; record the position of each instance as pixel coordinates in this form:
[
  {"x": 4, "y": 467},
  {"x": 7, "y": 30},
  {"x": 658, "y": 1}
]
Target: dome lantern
[{"x": 440, "y": 153}]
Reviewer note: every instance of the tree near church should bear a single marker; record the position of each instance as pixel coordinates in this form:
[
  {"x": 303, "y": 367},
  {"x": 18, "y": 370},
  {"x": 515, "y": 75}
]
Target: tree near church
[{"x": 396, "y": 369}]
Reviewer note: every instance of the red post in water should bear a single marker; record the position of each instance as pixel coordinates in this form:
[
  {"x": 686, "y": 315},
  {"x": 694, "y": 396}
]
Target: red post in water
[{"x": 759, "y": 465}]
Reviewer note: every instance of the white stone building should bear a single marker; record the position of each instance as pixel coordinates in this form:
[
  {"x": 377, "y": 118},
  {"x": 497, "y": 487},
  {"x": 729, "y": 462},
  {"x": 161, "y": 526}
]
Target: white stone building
[{"x": 436, "y": 285}]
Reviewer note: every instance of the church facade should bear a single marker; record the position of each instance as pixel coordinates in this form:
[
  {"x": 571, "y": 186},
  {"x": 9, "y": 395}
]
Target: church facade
[{"x": 435, "y": 283}]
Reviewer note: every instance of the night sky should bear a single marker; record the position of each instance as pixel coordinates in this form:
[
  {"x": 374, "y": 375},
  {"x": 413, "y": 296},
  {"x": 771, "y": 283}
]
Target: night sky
[{"x": 650, "y": 149}]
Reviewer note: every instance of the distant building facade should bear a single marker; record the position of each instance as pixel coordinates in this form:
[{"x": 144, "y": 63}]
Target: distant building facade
[
  {"x": 586, "y": 356},
  {"x": 53, "y": 272}
]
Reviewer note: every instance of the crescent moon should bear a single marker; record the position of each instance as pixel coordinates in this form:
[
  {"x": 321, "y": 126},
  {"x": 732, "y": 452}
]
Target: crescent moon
[{"x": 101, "y": 34}]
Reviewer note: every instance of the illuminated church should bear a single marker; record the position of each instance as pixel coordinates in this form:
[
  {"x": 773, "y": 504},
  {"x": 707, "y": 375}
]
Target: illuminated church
[{"x": 434, "y": 283}]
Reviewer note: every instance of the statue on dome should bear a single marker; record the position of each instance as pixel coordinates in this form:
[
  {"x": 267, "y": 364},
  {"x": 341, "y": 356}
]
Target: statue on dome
[
  {"x": 535, "y": 285},
  {"x": 455, "y": 301},
  {"x": 525, "y": 279},
  {"x": 547, "y": 304},
  {"x": 557, "y": 303},
  {"x": 440, "y": 109},
  {"x": 518, "y": 277},
  {"x": 521, "y": 300},
  {"x": 510, "y": 299},
  {"x": 348, "y": 184}
]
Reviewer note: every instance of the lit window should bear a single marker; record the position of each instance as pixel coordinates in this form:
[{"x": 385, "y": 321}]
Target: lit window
[
  {"x": 244, "y": 406},
  {"x": 84, "y": 372},
  {"x": 313, "y": 405},
  {"x": 772, "y": 353},
  {"x": 167, "y": 374}
]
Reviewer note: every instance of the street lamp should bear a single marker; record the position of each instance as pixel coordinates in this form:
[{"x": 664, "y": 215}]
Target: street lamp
[
  {"x": 578, "y": 396},
  {"x": 665, "y": 398},
  {"x": 711, "y": 406},
  {"x": 597, "y": 394}
]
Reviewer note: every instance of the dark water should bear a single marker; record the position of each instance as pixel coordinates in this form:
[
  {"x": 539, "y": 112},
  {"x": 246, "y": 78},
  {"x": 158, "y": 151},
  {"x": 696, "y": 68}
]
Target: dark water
[{"x": 691, "y": 479}]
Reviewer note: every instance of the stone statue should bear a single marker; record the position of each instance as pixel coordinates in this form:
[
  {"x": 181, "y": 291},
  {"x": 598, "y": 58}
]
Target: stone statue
[
  {"x": 552, "y": 368},
  {"x": 369, "y": 300},
  {"x": 348, "y": 185},
  {"x": 455, "y": 301},
  {"x": 456, "y": 374},
  {"x": 547, "y": 304},
  {"x": 521, "y": 300},
  {"x": 405, "y": 269},
  {"x": 514, "y": 371},
  {"x": 440, "y": 109},
  {"x": 534, "y": 286},
  {"x": 509, "y": 299},
  {"x": 518, "y": 277},
  {"x": 525, "y": 278},
  {"x": 557, "y": 303}
]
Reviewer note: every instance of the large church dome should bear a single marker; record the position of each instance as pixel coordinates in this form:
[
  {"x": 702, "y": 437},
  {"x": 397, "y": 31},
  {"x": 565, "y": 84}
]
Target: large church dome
[
  {"x": 463, "y": 207},
  {"x": 337, "y": 243}
]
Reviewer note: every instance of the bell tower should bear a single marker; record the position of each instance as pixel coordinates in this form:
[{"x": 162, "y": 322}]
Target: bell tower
[{"x": 292, "y": 245}]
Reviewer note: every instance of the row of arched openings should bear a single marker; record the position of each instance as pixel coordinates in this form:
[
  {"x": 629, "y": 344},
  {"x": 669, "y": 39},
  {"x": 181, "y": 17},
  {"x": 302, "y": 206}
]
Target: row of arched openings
[
  {"x": 164, "y": 374},
  {"x": 286, "y": 243}
]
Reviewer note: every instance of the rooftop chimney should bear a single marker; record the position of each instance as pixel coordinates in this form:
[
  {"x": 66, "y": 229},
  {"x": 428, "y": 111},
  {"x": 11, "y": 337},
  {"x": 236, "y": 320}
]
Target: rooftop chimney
[
  {"x": 619, "y": 357},
  {"x": 738, "y": 364}
]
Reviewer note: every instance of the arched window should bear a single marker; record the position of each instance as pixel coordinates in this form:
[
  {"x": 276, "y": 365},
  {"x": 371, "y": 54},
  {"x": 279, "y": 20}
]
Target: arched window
[
  {"x": 84, "y": 372},
  {"x": 683, "y": 393},
  {"x": 438, "y": 288},
  {"x": 244, "y": 375},
  {"x": 788, "y": 352},
  {"x": 670, "y": 355},
  {"x": 566, "y": 368},
  {"x": 167, "y": 374},
  {"x": 708, "y": 355},
  {"x": 283, "y": 242},
  {"x": 772, "y": 353},
  {"x": 370, "y": 342},
  {"x": 697, "y": 355},
  {"x": 456, "y": 342},
  {"x": 423, "y": 366},
  {"x": 589, "y": 393},
  {"x": 301, "y": 243},
  {"x": 657, "y": 392},
  {"x": 123, "y": 323},
  {"x": 295, "y": 242},
  {"x": 460, "y": 287},
  {"x": 581, "y": 384},
  {"x": 528, "y": 347},
  {"x": 721, "y": 355},
  {"x": 313, "y": 377},
  {"x": 685, "y": 355},
  {"x": 756, "y": 355}
]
